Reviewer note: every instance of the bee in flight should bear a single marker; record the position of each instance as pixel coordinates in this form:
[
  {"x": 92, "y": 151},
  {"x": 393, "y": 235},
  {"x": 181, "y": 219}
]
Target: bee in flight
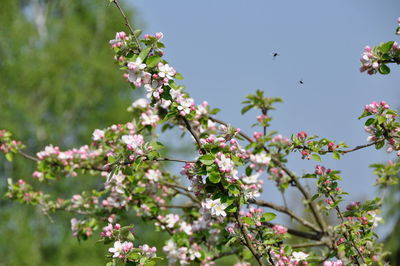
[{"x": 274, "y": 55}]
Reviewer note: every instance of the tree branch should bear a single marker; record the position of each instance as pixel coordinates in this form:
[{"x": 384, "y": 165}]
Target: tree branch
[
  {"x": 298, "y": 233},
  {"x": 196, "y": 138},
  {"x": 286, "y": 211},
  {"x": 127, "y": 22},
  {"x": 248, "y": 242}
]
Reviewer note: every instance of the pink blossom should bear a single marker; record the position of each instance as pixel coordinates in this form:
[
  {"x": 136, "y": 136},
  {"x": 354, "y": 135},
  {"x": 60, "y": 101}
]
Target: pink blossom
[{"x": 279, "y": 229}]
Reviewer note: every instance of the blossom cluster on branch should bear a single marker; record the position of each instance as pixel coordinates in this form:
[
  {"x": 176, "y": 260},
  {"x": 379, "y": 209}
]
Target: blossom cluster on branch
[
  {"x": 212, "y": 208},
  {"x": 375, "y": 59}
]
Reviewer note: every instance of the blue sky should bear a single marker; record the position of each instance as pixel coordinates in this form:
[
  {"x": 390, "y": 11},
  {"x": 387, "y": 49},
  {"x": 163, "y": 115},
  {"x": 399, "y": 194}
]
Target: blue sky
[{"x": 223, "y": 49}]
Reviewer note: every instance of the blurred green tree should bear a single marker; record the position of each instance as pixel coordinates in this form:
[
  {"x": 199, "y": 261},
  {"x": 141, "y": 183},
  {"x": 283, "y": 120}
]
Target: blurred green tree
[{"x": 57, "y": 84}]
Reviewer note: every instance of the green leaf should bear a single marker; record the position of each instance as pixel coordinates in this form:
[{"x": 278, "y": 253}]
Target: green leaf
[
  {"x": 248, "y": 220},
  {"x": 247, "y": 255},
  {"x": 309, "y": 176},
  {"x": 215, "y": 111},
  {"x": 112, "y": 159},
  {"x": 231, "y": 241},
  {"x": 268, "y": 216},
  {"x": 152, "y": 61},
  {"x": 381, "y": 119},
  {"x": 316, "y": 157},
  {"x": 178, "y": 76},
  {"x": 384, "y": 69},
  {"x": 214, "y": 177},
  {"x": 136, "y": 32},
  {"x": 231, "y": 208},
  {"x": 379, "y": 145},
  {"x": 364, "y": 114},
  {"x": 248, "y": 171},
  {"x": 246, "y": 109},
  {"x": 370, "y": 121},
  {"x": 9, "y": 157},
  {"x": 336, "y": 155},
  {"x": 233, "y": 189},
  {"x": 130, "y": 237},
  {"x": 386, "y": 47},
  {"x": 143, "y": 54},
  {"x": 134, "y": 256},
  {"x": 207, "y": 159},
  {"x": 315, "y": 197}
]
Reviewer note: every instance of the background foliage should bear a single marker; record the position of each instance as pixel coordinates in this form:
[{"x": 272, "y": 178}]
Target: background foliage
[{"x": 57, "y": 84}]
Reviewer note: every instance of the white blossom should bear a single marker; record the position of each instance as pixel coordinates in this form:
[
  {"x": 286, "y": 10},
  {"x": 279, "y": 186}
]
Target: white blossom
[
  {"x": 225, "y": 163},
  {"x": 140, "y": 103},
  {"x": 253, "y": 179},
  {"x": 166, "y": 71},
  {"x": 299, "y": 256},
  {"x": 98, "y": 135},
  {"x": 260, "y": 158},
  {"x": 216, "y": 207},
  {"x": 153, "y": 175}
]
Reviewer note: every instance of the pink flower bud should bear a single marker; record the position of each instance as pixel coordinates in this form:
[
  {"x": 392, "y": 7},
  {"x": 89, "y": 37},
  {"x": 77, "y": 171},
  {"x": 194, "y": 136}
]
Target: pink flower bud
[
  {"x": 302, "y": 135},
  {"x": 367, "y": 49},
  {"x": 121, "y": 35},
  {"x": 159, "y": 35}
]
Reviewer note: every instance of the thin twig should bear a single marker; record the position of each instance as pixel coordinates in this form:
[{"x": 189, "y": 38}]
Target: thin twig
[
  {"x": 311, "y": 244},
  {"x": 359, "y": 147},
  {"x": 186, "y": 192},
  {"x": 27, "y": 156},
  {"x": 188, "y": 206},
  {"x": 171, "y": 160}
]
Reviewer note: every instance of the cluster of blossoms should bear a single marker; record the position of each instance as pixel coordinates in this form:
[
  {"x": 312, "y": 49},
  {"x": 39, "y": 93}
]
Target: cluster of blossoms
[
  {"x": 371, "y": 60},
  {"x": 121, "y": 250},
  {"x": 374, "y": 59},
  {"x": 69, "y": 161},
  {"x": 296, "y": 258},
  {"x": 83, "y": 228},
  {"x": 279, "y": 139},
  {"x": 182, "y": 254},
  {"x": 255, "y": 214},
  {"x": 383, "y": 126},
  {"x": 155, "y": 75},
  {"x": 8, "y": 145},
  {"x": 279, "y": 229},
  {"x": 333, "y": 263},
  {"x": 108, "y": 230},
  {"x": 124, "y": 249}
]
